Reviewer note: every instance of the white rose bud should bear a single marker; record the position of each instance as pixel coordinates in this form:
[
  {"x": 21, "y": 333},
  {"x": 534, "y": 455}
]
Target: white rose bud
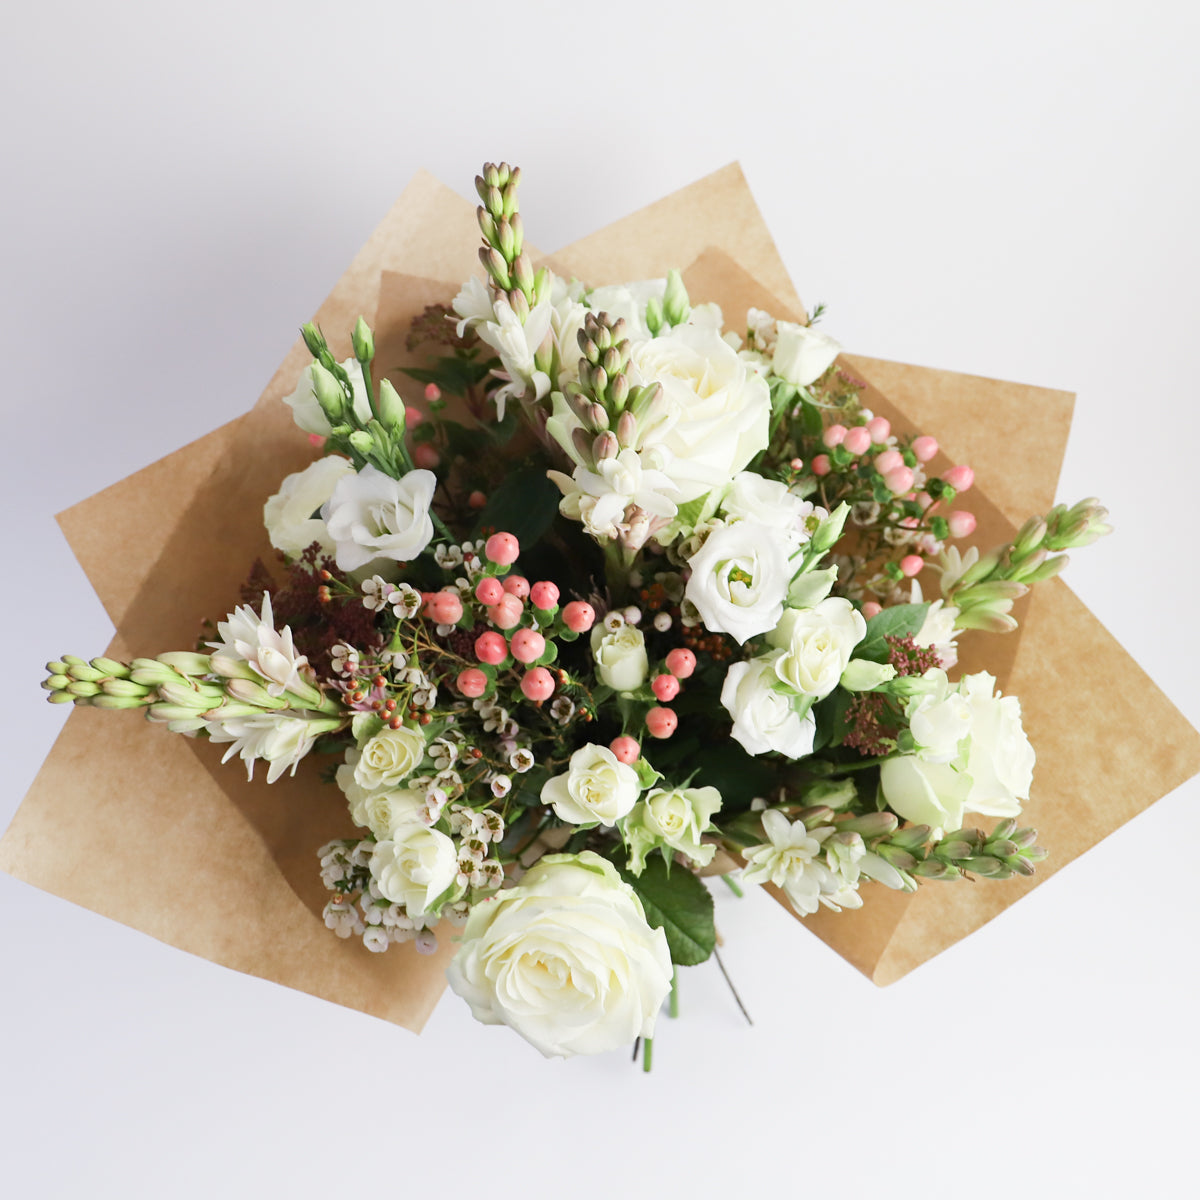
[
  {"x": 596, "y": 787},
  {"x": 802, "y": 353},
  {"x": 672, "y": 817},
  {"x": 389, "y": 757},
  {"x": 566, "y": 958},
  {"x": 621, "y": 660},
  {"x": 414, "y": 867},
  {"x": 817, "y": 644}
]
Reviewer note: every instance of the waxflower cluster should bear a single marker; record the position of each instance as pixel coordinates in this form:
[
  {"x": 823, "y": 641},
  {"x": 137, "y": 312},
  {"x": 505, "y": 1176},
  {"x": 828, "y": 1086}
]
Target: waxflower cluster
[{"x": 627, "y": 597}]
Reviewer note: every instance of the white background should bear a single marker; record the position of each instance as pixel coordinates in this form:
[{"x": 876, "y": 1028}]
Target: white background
[{"x": 1005, "y": 189}]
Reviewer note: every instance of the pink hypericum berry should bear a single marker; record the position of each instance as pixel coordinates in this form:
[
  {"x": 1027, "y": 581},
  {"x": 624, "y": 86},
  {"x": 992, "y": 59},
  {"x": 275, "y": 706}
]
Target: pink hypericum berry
[
  {"x": 445, "y": 608},
  {"x": 871, "y": 609},
  {"x": 834, "y": 436},
  {"x": 899, "y": 480},
  {"x": 960, "y": 478},
  {"x": 681, "y": 662},
  {"x": 962, "y": 524},
  {"x": 432, "y": 392},
  {"x": 472, "y": 682},
  {"x": 538, "y": 684},
  {"x": 517, "y": 585},
  {"x": 491, "y": 648},
  {"x": 579, "y": 616},
  {"x": 315, "y": 439},
  {"x": 889, "y": 460},
  {"x": 413, "y": 416},
  {"x": 925, "y": 448},
  {"x": 426, "y": 457},
  {"x": 880, "y": 429},
  {"x": 489, "y": 591},
  {"x": 665, "y": 687},
  {"x": 912, "y": 564},
  {"x": 661, "y": 722},
  {"x": 476, "y": 500},
  {"x": 528, "y": 645},
  {"x": 820, "y": 465},
  {"x": 626, "y": 749},
  {"x": 507, "y": 613},
  {"x": 544, "y": 594},
  {"x": 857, "y": 440},
  {"x": 502, "y": 548}
]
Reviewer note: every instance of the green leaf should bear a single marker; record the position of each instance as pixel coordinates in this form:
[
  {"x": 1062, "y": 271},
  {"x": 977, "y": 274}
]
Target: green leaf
[
  {"x": 679, "y": 904},
  {"x": 692, "y": 511},
  {"x": 900, "y": 620},
  {"x": 738, "y": 776},
  {"x": 525, "y": 505},
  {"x": 455, "y": 374}
]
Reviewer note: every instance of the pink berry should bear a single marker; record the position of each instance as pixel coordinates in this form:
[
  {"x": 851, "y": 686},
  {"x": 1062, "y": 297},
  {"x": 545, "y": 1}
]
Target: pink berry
[
  {"x": 507, "y": 613},
  {"x": 517, "y": 585},
  {"x": 665, "y": 687},
  {"x": 880, "y": 429},
  {"x": 681, "y": 662},
  {"x": 820, "y": 465},
  {"x": 426, "y": 457},
  {"x": 544, "y": 595},
  {"x": 476, "y": 500},
  {"x": 414, "y": 416},
  {"x": 870, "y": 608},
  {"x": 315, "y": 439},
  {"x": 579, "y": 616},
  {"x": 899, "y": 480},
  {"x": 446, "y": 608},
  {"x": 538, "y": 684},
  {"x": 962, "y": 524},
  {"x": 503, "y": 549},
  {"x": 491, "y": 648},
  {"x": 889, "y": 460},
  {"x": 834, "y": 436},
  {"x": 472, "y": 682},
  {"x": 925, "y": 448},
  {"x": 489, "y": 591},
  {"x": 626, "y": 749},
  {"x": 432, "y": 392},
  {"x": 960, "y": 478},
  {"x": 857, "y": 440},
  {"x": 528, "y": 645},
  {"x": 661, "y": 722},
  {"x": 912, "y": 564}
]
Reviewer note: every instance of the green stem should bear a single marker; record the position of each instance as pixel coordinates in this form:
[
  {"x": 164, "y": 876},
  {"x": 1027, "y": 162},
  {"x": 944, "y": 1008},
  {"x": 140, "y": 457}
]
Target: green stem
[
  {"x": 735, "y": 888},
  {"x": 647, "y": 1054},
  {"x": 365, "y": 367},
  {"x": 673, "y": 1003}
]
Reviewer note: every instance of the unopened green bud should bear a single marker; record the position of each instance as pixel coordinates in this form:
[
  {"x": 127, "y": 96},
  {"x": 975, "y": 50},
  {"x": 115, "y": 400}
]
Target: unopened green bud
[
  {"x": 73, "y": 660},
  {"x": 1030, "y": 537},
  {"x": 676, "y": 308},
  {"x": 932, "y": 868},
  {"x": 186, "y": 662},
  {"x": 518, "y": 234},
  {"x": 994, "y": 593},
  {"x": 314, "y": 339},
  {"x": 61, "y": 698},
  {"x": 984, "y": 567},
  {"x": 111, "y": 668},
  {"x": 125, "y": 688},
  {"x": 1005, "y": 829},
  {"x": 363, "y": 341},
  {"x": 519, "y": 304},
  {"x": 173, "y": 712},
  {"x": 495, "y": 266},
  {"x": 391, "y": 409},
  {"x": 627, "y": 428},
  {"x": 830, "y": 529},
  {"x": 862, "y": 675},
  {"x": 82, "y": 687},
  {"x": 598, "y": 378},
  {"x": 870, "y": 825},
  {"x": 581, "y": 440},
  {"x": 249, "y": 692},
  {"x": 591, "y": 352},
  {"x": 618, "y": 392},
  {"x": 522, "y": 273},
  {"x": 362, "y": 441},
  {"x": 86, "y": 672},
  {"x": 901, "y": 859},
  {"x": 1021, "y": 866},
  {"x": 911, "y": 838},
  {"x": 1047, "y": 570},
  {"x": 542, "y": 283},
  {"x": 104, "y": 700},
  {"x": 989, "y": 868},
  {"x": 505, "y": 240},
  {"x": 56, "y": 667},
  {"x": 986, "y": 619},
  {"x": 1029, "y": 566},
  {"x": 56, "y": 683},
  {"x": 598, "y": 417},
  {"x": 197, "y": 698},
  {"x": 328, "y": 392},
  {"x": 487, "y": 225},
  {"x": 835, "y": 794},
  {"x": 1024, "y": 838},
  {"x": 605, "y": 446},
  {"x": 955, "y": 850}
]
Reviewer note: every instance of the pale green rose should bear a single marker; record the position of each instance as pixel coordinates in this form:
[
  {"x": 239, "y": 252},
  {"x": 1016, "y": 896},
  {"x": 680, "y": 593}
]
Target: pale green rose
[
  {"x": 389, "y": 758},
  {"x": 674, "y": 818},
  {"x": 415, "y": 866},
  {"x": 621, "y": 660}
]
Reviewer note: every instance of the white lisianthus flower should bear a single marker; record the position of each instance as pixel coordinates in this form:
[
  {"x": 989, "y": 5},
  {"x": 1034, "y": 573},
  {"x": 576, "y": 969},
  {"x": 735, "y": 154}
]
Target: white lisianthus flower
[
  {"x": 289, "y": 514},
  {"x": 372, "y": 516},
  {"x": 280, "y": 741},
  {"x": 389, "y": 757},
  {"x": 414, "y": 866},
  {"x": 566, "y": 959},
  {"x": 791, "y": 860},
  {"x": 306, "y": 408},
  {"x": 672, "y": 817},
  {"x": 597, "y": 786},
  {"x": 991, "y": 770},
  {"x": 753, "y": 497},
  {"x": 739, "y": 579},
  {"x": 816, "y": 645},
  {"x": 719, "y": 410},
  {"x": 252, "y": 639},
  {"x": 763, "y": 718},
  {"x": 620, "y": 656},
  {"x": 611, "y": 499},
  {"x": 802, "y": 354}
]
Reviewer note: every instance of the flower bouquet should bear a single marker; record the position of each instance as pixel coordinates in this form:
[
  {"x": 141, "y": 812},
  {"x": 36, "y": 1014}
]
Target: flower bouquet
[{"x": 635, "y": 594}]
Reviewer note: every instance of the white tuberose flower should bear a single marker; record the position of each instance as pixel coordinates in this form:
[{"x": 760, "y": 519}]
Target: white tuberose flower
[
  {"x": 739, "y": 579},
  {"x": 280, "y": 741},
  {"x": 609, "y": 499},
  {"x": 253, "y": 639},
  {"x": 288, "y": 515},
  {"x": 371, "y": 515},
  {"x": 791, "y": 860},
  {"x": 566, "y": 958}
]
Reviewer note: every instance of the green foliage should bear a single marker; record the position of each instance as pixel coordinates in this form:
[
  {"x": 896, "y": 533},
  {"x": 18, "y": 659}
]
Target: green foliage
[
  {"x": 677, "y": 903},
  {"x": 900, "y": 620},
  {"x": 454, "y": 373},
  {"x": 524, "y": 504}
]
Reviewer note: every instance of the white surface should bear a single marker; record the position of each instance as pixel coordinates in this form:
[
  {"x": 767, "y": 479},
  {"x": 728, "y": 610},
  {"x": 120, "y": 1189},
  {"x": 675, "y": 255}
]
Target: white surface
[{"x": 1006, "y": 189}]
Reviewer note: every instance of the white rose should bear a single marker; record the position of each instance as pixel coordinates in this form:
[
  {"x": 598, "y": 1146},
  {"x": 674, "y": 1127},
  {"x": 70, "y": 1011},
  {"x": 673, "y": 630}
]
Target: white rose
[
  {"x": 382, "y": 812},
  {"x": 802, "y": 353},
  {"x": 739, "y": 579},
  {"x": 764, "y": 719},
  {"x": 816, "y": 644},
  {"x": 371, "y": 515},
  {"x": 389, "y": 757},
  {"x": 288, "y": 515},
  {"x": 926, "y": 793},
  {"x": 940, "y": 719},
  {"x": 566, "y": 958},
  {"x": 621, "y": 660},
  {"x": 674, "y": 817},
  {"x": 414, "y": 867},
  {"x": 1000, "y": 758},
  {"x": 719, "y": 410},
  {"x": 753, "y": 497},
  {"x": 306, "y": 409},
  {"x": 597, "y": 786}
]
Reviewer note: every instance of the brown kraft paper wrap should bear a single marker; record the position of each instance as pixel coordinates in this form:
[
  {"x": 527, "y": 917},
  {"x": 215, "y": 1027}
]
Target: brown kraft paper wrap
[{"x": 227, "y": 869}]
